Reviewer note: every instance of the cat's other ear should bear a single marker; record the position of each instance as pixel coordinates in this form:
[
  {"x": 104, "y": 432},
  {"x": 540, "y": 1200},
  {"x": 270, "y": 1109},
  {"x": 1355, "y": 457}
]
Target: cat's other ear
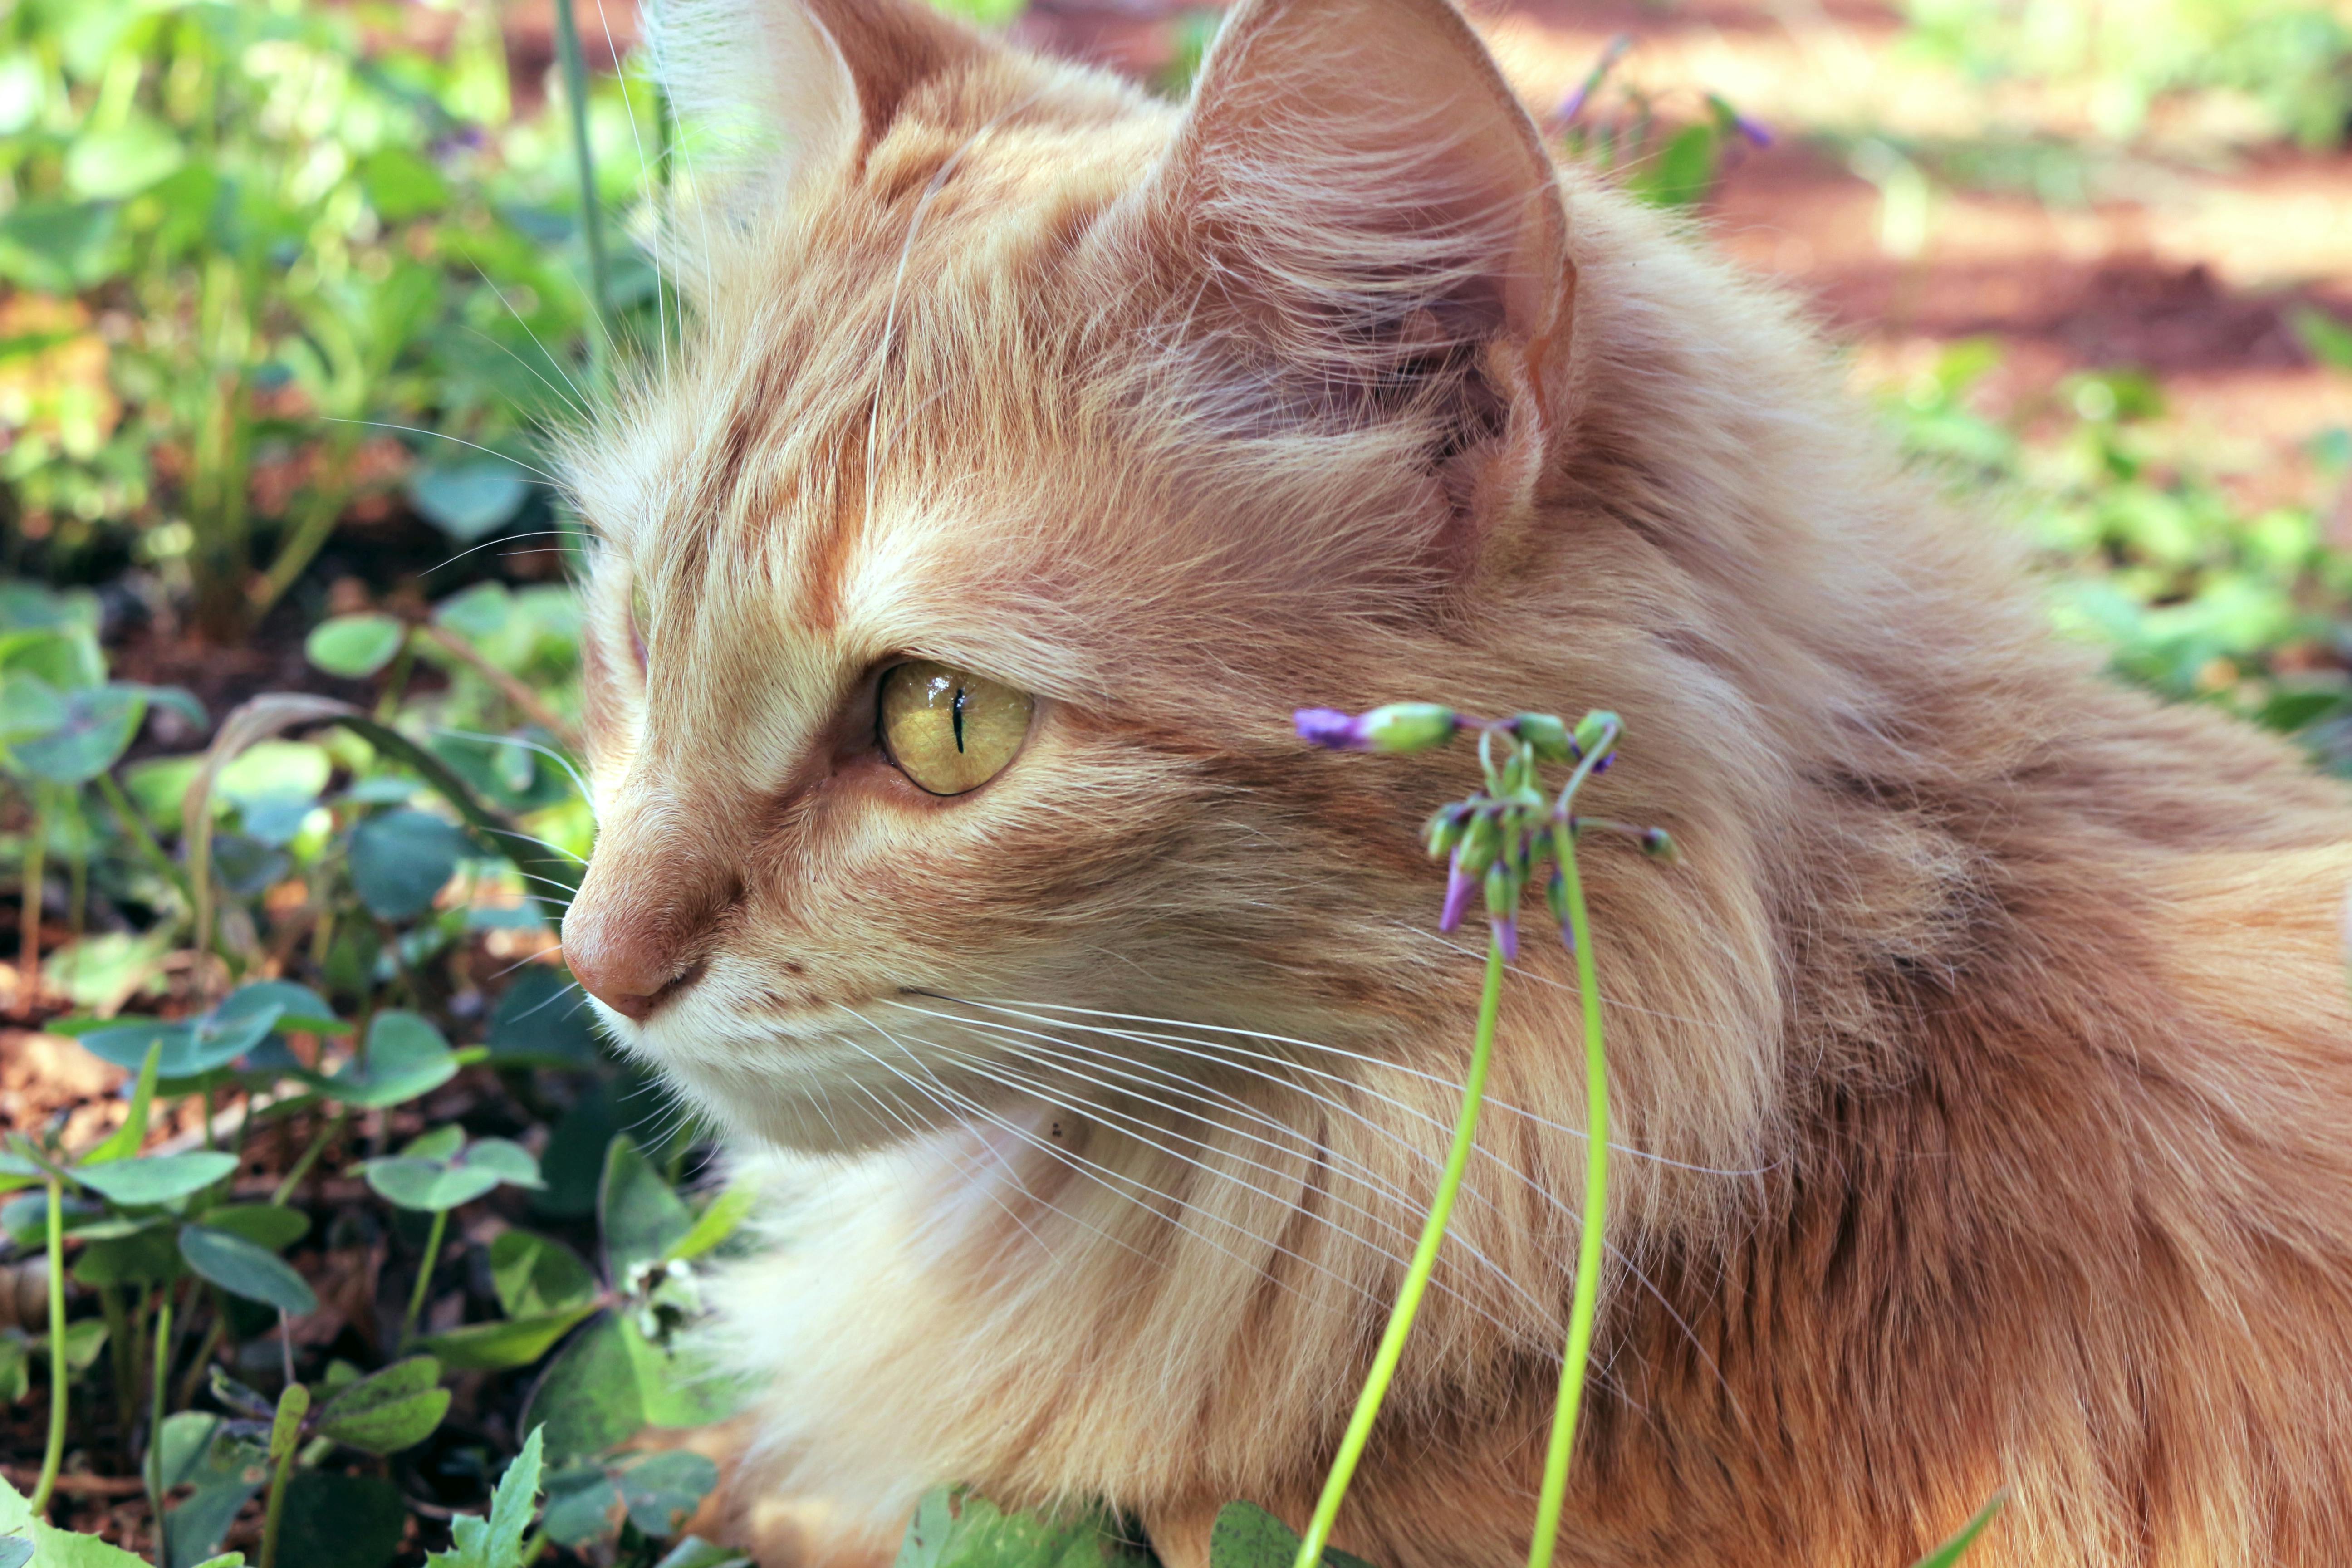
[
  {"x": 772, "y": 92},
  {"x": 1359, "y": 172}
]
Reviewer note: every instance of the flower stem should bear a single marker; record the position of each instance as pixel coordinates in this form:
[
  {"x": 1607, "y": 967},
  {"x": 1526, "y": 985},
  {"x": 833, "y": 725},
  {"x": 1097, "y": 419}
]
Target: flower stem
[
  {"x": 591, "y": 215},
  {"x": 424, "y": 1276},
  {"x": 1585, "y": 1303},
  {"x": 53, "y": 1456},
  {"x": 285, "y": 1438},
  {"x": 155, "y": 1418},
  {"x": 1417, "y": 1277},
  {"x": 328, "y": 1128}
]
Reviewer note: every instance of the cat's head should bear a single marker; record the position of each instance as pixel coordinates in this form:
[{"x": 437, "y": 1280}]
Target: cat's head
[{"x": 1033, "y": 449}]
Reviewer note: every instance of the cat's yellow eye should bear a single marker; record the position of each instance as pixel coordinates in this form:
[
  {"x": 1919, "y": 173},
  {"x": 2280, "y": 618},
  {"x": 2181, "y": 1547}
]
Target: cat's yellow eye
[{"x": 950, "y": 730}]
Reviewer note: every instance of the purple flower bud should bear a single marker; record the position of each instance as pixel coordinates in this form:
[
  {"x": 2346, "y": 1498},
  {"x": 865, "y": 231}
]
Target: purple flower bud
[
  {"x": 1459, "y": 885},
  {"x": 1603, "y": 765},
  {"x": 1330, "y": 728},
  {"x": 1507, "y": 936},
  {"x": 1757, "y": 133},
  {"x": 1573, "y": 104}
]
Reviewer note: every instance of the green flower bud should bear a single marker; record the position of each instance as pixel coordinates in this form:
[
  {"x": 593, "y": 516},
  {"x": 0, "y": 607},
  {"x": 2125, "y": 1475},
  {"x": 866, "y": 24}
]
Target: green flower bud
[
  {"x": 1447, "y": 829},
  {"x": 1408, "y": 727},
  {"x": 1502, "y": 890},
  {"x": 1660, "y": 845},
  {"x": 1597, "y": 731},
  {"x": 1543, "y": 734},
  {"x": 1556, "y": 898},
  {"x": 1481, "y": 845}
]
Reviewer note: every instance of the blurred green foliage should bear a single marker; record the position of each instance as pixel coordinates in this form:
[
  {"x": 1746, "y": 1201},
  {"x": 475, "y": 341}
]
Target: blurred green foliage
[
  {"x": 2290, "y": 60},
  {"x": 248, "y": 243},
  {"x": 2196, "y": 596}
]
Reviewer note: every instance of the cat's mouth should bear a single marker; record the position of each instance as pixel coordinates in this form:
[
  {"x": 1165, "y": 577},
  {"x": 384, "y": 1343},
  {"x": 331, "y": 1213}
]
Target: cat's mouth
[{"x": 819, "y": 1075}]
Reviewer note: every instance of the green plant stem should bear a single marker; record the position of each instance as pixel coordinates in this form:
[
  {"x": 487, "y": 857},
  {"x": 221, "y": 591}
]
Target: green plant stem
[
  {"x": 134, "y": 827},
  {"x": 37, "y": 849},
  {"x": 285, "y": 1435},
  {"x": 1416, "y": 1276},
  {"x": 301, "y": 1167},
  {"x": 1584, "y": 1305},
  {"x": 123, "y": 1352},
  {"x": 215, "y": 1332},
  {"x": 53, "y": 1456},
  {"x": 424, "y": 1276},
  {"x": 592, "y": 216},
  {"x": 153, "y": 1469}
]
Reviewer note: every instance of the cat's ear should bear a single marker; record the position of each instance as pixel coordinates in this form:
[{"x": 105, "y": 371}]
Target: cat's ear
[
  {"x": 1359, "y": 174},
  {"x": 771, "y": 92}
]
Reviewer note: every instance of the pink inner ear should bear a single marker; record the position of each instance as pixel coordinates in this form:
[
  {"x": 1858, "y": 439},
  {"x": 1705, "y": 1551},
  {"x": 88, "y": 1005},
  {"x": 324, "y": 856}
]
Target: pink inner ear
[{"x": 1373, "y": 151}]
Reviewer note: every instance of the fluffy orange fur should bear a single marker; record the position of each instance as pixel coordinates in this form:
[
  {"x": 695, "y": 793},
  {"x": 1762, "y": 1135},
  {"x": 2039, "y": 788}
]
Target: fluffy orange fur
[{"x": 1984, "y": 1071}]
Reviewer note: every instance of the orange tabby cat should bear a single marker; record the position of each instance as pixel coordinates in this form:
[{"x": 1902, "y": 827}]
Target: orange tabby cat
[{"x": 1034, "y": 447}]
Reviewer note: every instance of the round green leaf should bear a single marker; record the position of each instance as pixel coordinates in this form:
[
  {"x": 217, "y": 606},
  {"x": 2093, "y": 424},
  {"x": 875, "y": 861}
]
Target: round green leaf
[
  {"x": 156, "y": 1178},
  {"x": 534, "y": 1274},
  {"x": 406, "y": 1056},
  {"x": 661, "y": 1489},
  {"x": 95, "y": 725},
  {"x": 241, "y": 1268},
  {"x": 509, "y": 1160},
  {"x": 643, "y": 1219},
  {"x": 393, "y": 1409},
  {"x": 276, "y": 771},
  {"x": 588, "y": 1398},
  {"x": 109, "y": 165},
  {"x": 299, "y": 1007},
  {"x": 428, "y": 1186},
  {"x": 354, "y": 647},
  {"x": 495, "y": 1347},
  {"x": 400, "y": 859},
  {"x": 441, "y": 1144},
  {"x": 583, "y": 1505},
  {"x": 469, "y": 498},
  {"x": 189, "y": 1049}
]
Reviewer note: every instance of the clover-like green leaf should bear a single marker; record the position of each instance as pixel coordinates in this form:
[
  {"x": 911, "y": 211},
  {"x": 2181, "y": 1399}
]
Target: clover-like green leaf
[
  {"x": 534, "y": 1274},
  {"x": 242, "y": 1268},
  {"x": 406, "y": 1056},
  {"x": 354, "y": 647},
  {"x": 395, "y": 1408},
  {"x": 661, "y": 1491},
  {"x": 501, "y": 1346},
  {"x": 428, "y": 1186},
  {"x": 401, "y": 859},
  {"x": 955, "y": 1528},
  {"x": 642, "y": 1218},
  {"x": 93, "y": 727},
  {"x": 156, "y": 1178}
]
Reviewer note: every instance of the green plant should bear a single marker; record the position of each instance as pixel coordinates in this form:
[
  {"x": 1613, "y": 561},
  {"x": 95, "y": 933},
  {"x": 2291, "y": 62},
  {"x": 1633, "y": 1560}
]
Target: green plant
[
  {"x": 1498, "y": 840},
  {"x": 1666, "y": 164},
  {"x": 249, "y": 247}
]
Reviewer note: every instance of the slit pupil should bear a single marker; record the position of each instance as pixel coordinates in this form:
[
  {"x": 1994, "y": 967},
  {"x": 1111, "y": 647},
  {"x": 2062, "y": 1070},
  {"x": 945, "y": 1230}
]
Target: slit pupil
[{"x": 961, "y": 695}]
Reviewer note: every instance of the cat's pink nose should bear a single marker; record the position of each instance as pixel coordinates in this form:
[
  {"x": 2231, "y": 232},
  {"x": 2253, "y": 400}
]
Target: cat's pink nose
[
  {"x": 630, "y": 976},
  {"x": 638, "y": 932}
]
